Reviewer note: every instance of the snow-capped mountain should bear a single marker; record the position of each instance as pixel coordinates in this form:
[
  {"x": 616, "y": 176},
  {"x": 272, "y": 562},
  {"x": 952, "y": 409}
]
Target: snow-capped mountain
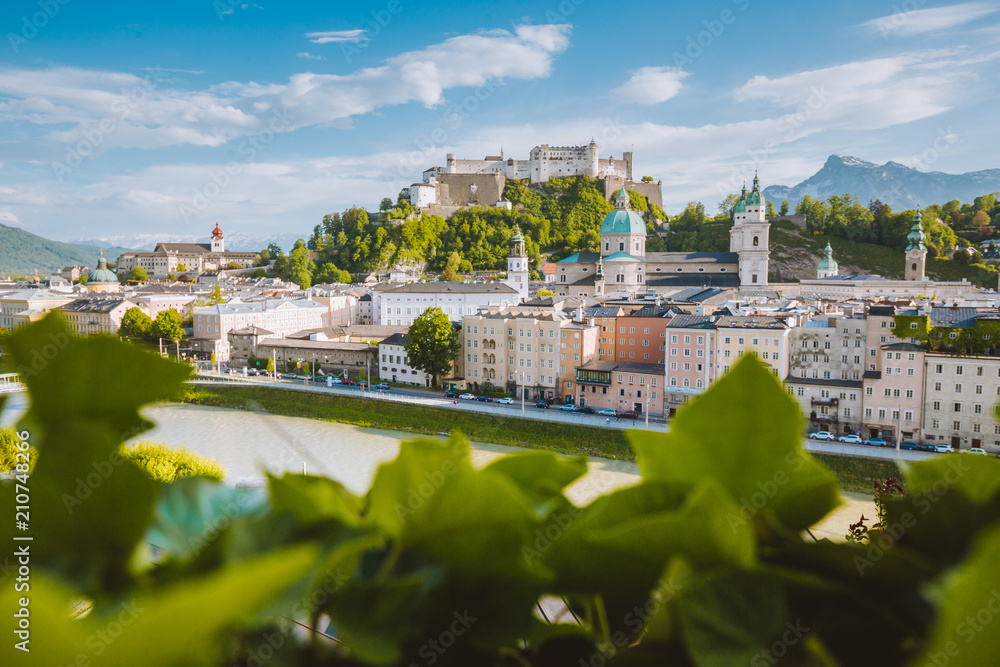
[
  {"x": 237, "y": 241},
  {"x": 895, "y": 184}
]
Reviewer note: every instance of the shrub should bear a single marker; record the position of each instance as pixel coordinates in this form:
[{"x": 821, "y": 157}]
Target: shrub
[{"x": 165, "y": 464}]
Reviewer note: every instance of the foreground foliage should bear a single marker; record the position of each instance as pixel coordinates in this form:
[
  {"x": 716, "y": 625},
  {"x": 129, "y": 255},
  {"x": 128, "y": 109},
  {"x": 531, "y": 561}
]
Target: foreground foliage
[
  {"x": 704, "y": 562},
  {"x": 165, "y": 463}
]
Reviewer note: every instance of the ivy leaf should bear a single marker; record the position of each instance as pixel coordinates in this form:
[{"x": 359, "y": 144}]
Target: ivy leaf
[
  {"x": 313, "y": 500},
  {"x": 85, "y": 398},
  {"x": 193, "y": 511},
  {"x": 755, "y": 452},
  {"x": 172, "y": 626},
  {"x": 541, "y": 475},
  {"x": 963, "y": 634},
  {"x": 975, "y": 477}
]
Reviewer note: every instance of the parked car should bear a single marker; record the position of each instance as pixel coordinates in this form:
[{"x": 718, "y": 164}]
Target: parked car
[
  {"x": 608, "y": 412},
  {"x": 877, "y": 442},
  {"x": 909, "y": 444},
  {"x": 337, "y": 381},
  {"x": 350, "y": 383},
  {"x": 451, "y": 394},
  {"x": 925, "y": 448},
  {"x": 468, "y": 397},
  {"x": 628, "y": 414},
  {"x": 821, "y": 435},
  {"x": 541, "y": 404},
  {"x": 507, "y": 400},
  {"x": 289, "y": 376},
  {"x": 943, "y": 449},
  {"x": 569, "y": 407},
  {"x": 853, "y": 439},
  {"x": 384, "y": 386},
  {"x": 585, "y": 409},
  {"x": 484, "y": 399},
  {"x": 975, "y": 450}
]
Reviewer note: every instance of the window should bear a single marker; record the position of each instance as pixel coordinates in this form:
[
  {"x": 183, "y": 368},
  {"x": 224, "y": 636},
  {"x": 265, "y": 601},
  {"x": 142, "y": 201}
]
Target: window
[
  {"x": 977, "y": 409},
  {"x": 958, "y": 369},
  {"x": 956, "y": 426},
  {"x": 909, "y": 393},
  {"x": 881, "y": 413},
  {"x": 936, "y": 405},
  {"x": 975, "y": 428},
  {"x": 958, "y": 388},
  {"x": 937, "y": 386},
  {"x": 868, "y": 391},
  {"x": 868, "y": 412},
  {"x": 957, "y": 407}
]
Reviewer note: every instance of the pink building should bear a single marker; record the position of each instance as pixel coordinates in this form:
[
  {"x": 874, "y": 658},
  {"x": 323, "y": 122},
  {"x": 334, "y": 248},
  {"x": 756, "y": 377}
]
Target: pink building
[
  {"x": 893, "y": 400},
  {"x": 621, "y": 386},
  {"x": 690, "y": 360}
]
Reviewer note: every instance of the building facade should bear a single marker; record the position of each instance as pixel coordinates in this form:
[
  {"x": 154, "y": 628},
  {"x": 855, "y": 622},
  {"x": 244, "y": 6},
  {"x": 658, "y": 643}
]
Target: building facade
[
  {"x": 399, "y": 306},
  {"x": 193, "y": 258}
]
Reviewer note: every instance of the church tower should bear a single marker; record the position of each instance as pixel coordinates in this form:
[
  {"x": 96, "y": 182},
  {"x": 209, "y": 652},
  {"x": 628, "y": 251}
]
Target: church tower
[
  {"x": 517, "y": 264},
  {"x": 828, "y": 265},
  {"x": 916, "y": 251},
  {"x": 217, "y": 243},
  {"x": 749, "y": 237},
  {"x": 599, "y": 278}
]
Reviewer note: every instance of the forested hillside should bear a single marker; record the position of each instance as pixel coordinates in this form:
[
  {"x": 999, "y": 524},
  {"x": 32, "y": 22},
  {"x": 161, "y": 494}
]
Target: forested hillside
[{"x": 21, "y": 253}]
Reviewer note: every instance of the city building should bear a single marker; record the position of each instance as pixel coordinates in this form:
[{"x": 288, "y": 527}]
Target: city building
[
  {"x": 960, "y": 393},
  {"x": 192, "y": 258},
  {"x": 96, "y": 314},
  {"x": 30, "y": 305},
  {"x": 767, "y": 337},
  {"x": 893, "y": 400},
  {"x": 102, "y": 279},
  {"x": 690, "y": 367},
  {"x": 621, "y": 386},
  {"x": 402, "y": 304},
  {"x": 212, "y": 324},
  {"x": 394, "y": 363}
]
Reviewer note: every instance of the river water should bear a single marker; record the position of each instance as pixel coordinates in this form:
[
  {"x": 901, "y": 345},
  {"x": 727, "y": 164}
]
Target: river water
[{"x": 248, "y": 443}]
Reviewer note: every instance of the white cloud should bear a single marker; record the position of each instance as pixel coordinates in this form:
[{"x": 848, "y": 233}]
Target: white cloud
[
  {"x": 922, "y": 21},
  {"x": 336, "y": 36},
  {"x": 147, "y": 112},
  {"x": 651, "y": 85},
  {"x": 9, "y": 219},
  {"x": 309, "y": 56}
]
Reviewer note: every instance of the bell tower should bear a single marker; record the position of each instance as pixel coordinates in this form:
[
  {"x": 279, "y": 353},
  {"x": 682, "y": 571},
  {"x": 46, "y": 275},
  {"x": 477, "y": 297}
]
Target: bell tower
[
  {"x": 749, "y": 237},
  {"x": 218, "y": 245},
  {"x": 916, "y": 251},
  {"x": 517, "y": 264}
]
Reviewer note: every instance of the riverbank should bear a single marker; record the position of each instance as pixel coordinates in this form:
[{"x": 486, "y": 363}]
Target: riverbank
[{"x": 855, "y": 474}]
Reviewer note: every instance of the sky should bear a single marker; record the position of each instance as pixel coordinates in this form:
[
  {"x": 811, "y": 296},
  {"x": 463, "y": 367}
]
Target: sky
[{"x": 122, "y": 118}]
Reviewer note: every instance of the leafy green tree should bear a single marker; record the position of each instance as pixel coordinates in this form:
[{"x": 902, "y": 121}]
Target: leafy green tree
[
  {"x": 647, "y": 179},
  {"x": 385, "y": 204},
  {"x": 181, "y": 267},
  {"x": 137, "y": 275},
  {"x": 135, "y": 324},
  {"x": 83, "y": 279},
  {"x": 234, "y": 266},
  {"x": 452, "y": 267},
  {"x": 300, "y": 266},
  {"x": 263, "y": 258},
  {"x": 432, "y": 343},
  {"x": 259, "y": 273},
  {"x": 167, "y": 325},
  {"x": 215, "y": 297},
  {"x": 784, "y": 208}
]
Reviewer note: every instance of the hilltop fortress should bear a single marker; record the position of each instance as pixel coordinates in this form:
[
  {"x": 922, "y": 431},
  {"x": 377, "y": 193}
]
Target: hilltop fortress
[{"x": 464, "y": 182}]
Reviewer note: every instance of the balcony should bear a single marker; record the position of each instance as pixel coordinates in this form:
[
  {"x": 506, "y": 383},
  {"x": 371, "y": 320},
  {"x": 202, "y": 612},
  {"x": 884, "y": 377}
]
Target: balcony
[{"x": 833, "y": 402}]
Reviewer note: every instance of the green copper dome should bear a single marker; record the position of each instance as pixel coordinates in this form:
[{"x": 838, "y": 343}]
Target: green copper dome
[
  {"x": 102, "y": 274},
  {"x": 623, "y": 221},
  {"x": 828, "y": 263},
  {"x": 916, "y": 237}
]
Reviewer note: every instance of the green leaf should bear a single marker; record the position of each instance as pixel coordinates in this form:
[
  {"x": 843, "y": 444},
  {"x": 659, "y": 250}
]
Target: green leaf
[
  {"x": 313, "y": 499},
  {"x": 90, "y": 507},
  {"x": 194, "y": 511},
  {"x": 166, "y": 627},
  {"x": 975, "y": 477},
  {"x": 404, "y": 485},
  {"x": 755, "y": 452},
  {"x": 965, "y": 633},
  {"x": 541, "y": 475}
]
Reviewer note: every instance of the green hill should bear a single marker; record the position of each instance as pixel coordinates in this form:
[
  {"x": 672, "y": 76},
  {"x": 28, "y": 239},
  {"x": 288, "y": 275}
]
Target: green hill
[{"x": 21, "y": 253}]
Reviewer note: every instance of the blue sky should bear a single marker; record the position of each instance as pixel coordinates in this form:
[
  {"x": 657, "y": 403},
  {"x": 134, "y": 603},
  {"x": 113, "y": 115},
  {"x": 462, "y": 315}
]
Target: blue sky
[{"x": 158, "y": 118}]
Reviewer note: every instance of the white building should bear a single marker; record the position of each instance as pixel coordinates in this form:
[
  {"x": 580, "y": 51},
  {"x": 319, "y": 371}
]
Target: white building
[
  {"x": 25, "y": 306},
  {"x": 282, "y": 316},
  {"x": 544, "y": 162},
  {"x": 394, "y": 364},
  {"x": 195, "y": 258},
  {"x": 959, "y": 395},
  {"x": 401, "y": 305}
]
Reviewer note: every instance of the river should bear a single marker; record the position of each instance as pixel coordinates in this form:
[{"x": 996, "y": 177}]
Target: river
[{"x": 248, "y": 443}]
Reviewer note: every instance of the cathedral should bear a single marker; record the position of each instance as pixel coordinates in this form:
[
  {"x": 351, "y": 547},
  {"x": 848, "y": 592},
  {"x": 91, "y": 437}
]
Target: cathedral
[{"x": 623, "y": 268}]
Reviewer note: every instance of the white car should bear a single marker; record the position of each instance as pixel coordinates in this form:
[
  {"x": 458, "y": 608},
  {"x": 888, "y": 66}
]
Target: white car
[
  {"x": 505, "y": 401},
  {"x": 975, "y": 450},
  {"x": 337, "y": 381},
  {"x": 468, "y": 397},
  {"x": 821, "y": 435},
  {"x": 608, "y": 412},
  {"x": 943, "y": 449},
  {"x": 853, "y": 439}
]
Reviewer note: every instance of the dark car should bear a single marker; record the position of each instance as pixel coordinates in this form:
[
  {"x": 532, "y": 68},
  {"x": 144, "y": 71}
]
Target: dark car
[
  {"x": 909, "y": 444},
  {"x": 930, "y": 448},
  {"x": 541, "y": 404},
  {"x": 586, "y": 409},
  {"x": 484, "y": 399},
  {"x": 451, "y": 394},
  {"x": 628, "y": 414}
]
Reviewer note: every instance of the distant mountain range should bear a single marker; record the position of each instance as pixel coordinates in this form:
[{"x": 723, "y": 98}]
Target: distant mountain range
[
  {"x": 895, "y": 184},
  {"x": 21, "y": 253},
  {"x": 235, "y": 241}
]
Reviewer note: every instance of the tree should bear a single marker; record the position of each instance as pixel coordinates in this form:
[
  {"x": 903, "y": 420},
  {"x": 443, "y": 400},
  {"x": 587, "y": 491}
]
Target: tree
[
  {"x": 545, "y": 291},
  {"x": 215, "y": 297},
  {"x": 83, "y": 279},
  {"x": 299, "y": 267},
  {"x": 263, "y": 259},
  {"x": 385, "y": 205},
  {"x": 167, "y": 325},
  {"x": 432, "y": 343},
  {"x": 647, "y": 179},
  {"x": 258, "y": 273},
  {"x": 234, "y": 266},
  {"x": 181, "y": 267},
  {"x": 452, "y": 266},
  {"x": 769, "y": 209},
  {"x": 137, "y": 275},
  {"x": 135, "y": 324},
  {"x": 784, "y": 208}
]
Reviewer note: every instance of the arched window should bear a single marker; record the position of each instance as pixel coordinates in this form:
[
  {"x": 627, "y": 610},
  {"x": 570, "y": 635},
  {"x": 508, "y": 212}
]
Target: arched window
[
  {"x": 687, "y": 382},
  {"x": 755, "y": 242},
  {"x": 607, "y": 246},
  {"x": 914, "y": 266},
  {"x": 673, "y": 382},
  {"x": 621, "y": 246},
  {"x": 698, "y": 384}
]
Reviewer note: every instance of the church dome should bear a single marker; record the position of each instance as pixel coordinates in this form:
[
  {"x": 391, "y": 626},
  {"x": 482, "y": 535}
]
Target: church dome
[
  {"x": 828, "y": 263},
  {"x": 622, "y": 221},
  {"x": 102, "y": 275}
]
